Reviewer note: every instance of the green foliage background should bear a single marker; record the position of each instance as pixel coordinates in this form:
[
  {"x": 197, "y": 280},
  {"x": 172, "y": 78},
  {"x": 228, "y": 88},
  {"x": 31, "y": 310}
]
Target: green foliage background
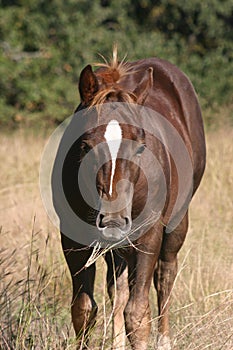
[{"x": 45, "y": 44}]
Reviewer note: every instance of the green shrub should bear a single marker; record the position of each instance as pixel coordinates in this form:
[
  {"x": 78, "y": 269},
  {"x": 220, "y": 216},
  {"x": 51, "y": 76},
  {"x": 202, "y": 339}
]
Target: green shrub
[{"x": 44, "y": 45}]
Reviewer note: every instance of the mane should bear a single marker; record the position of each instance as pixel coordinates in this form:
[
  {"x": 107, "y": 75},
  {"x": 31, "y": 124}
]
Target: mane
[{"x": 110, "y": 75}]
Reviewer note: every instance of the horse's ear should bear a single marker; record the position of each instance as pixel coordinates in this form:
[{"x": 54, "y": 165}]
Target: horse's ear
[
  {"x": 88, "y": 85},
  {"x": 142, "y": 90}
]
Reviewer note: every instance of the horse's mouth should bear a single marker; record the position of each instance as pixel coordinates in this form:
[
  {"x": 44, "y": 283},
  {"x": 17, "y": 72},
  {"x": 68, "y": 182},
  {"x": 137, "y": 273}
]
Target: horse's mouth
[{"x": 113, "y": 233}]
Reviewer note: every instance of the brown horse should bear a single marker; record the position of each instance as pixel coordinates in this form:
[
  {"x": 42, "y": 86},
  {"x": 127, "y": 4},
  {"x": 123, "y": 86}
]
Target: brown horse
[{"x": 146, "y": 170}]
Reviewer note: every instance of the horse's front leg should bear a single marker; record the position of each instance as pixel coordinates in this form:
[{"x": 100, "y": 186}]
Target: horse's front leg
[
  {"x": 118, "y": 290},
  {"x": 83, "y": 308},
  {"x": 141, "y": 270}
]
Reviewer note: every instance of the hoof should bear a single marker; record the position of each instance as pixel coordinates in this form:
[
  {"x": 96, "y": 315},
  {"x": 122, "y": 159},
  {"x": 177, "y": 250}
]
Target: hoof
[{"x": 163, "y": 342}]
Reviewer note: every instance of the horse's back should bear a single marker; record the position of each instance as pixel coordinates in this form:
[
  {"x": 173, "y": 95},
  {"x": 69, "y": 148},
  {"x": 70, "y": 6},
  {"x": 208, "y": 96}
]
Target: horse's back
[{"x": 173, "y": 96}]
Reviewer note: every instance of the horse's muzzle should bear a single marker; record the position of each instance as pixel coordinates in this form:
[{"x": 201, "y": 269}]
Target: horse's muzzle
[{"x": 113, "y": 227}]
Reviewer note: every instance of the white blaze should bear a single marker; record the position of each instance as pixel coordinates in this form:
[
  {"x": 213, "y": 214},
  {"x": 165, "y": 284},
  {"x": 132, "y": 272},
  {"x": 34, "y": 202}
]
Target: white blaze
[{"x": 113, "y": 137}]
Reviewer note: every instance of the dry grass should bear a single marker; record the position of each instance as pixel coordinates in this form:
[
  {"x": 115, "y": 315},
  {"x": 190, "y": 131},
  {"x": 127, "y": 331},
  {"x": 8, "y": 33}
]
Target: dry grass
[{"x": 35, "y": 288}]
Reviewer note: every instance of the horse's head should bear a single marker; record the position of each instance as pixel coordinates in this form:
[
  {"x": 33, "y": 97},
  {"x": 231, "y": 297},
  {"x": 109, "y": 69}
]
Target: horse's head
[{"x": 115, "y": 148}]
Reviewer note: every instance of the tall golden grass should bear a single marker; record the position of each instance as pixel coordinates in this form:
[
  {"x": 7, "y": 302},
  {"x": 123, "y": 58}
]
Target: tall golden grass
[{"x": 35, "y": 289}]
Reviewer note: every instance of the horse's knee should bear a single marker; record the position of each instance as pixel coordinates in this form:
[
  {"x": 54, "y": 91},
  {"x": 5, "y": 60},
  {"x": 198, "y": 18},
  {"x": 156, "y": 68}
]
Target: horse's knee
[
  {"x": 137, "y": 321},
  {"x": 164, "y": 276},
  {"x": 137, "y": 313},
  {"x": 83, "y": 311}
]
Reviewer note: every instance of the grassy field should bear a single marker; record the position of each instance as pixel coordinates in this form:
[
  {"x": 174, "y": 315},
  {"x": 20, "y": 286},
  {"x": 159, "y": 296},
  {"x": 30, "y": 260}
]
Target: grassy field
[{"x": 35, "y": 288}]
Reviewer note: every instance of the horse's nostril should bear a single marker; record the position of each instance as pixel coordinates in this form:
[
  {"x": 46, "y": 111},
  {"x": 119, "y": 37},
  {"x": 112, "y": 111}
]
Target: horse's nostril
[
  {"x": 127, "y": 223},
  {"x": 100, "y": 223}
]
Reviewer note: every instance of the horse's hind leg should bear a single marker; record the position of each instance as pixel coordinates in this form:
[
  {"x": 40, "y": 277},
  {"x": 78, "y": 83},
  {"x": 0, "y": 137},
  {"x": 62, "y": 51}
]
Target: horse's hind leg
[
  {"x": 117, "y": 280},
  {"x": 164, "y": 278},
  {"x": 83, "y": 308}
]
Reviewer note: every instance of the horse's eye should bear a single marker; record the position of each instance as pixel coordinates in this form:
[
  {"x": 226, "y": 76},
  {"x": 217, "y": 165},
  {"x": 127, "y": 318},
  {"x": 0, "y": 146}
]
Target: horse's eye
[
  {"x": 140, "y": 150},
  {"x": 85, "y": 148}
]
